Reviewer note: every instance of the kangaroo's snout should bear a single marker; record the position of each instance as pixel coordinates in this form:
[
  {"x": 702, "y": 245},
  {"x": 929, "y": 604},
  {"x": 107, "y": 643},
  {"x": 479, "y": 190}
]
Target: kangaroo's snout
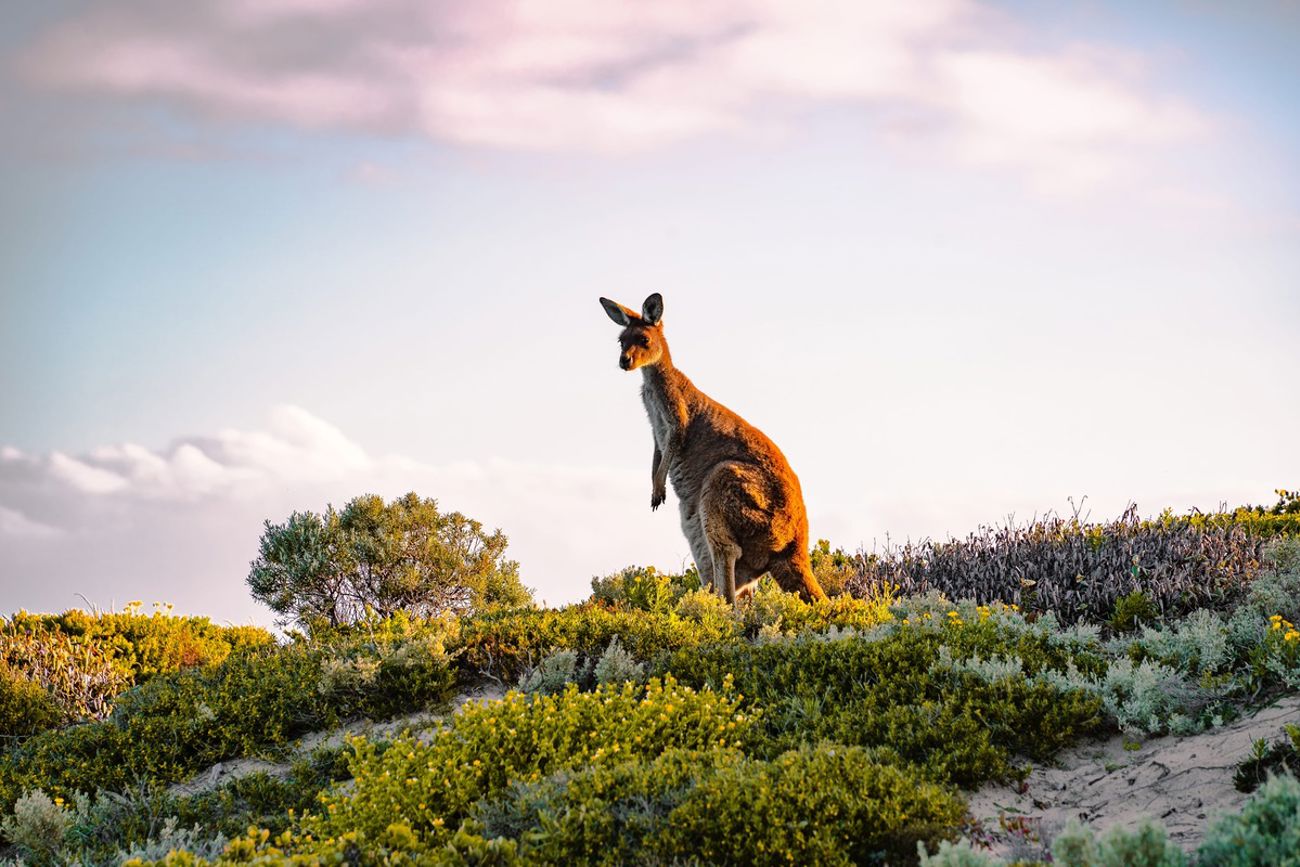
[{"x": 625, "y": 362}]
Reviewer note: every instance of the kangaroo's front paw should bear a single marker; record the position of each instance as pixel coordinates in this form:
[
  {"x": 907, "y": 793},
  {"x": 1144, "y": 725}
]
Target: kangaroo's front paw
[{"x": 657, "y": 498}]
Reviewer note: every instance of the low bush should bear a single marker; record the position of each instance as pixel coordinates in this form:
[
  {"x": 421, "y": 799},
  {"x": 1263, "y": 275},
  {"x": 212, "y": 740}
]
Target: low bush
[
  {"x": 1148, "y": 845},
  {"x": 646, "y": 589},
  {"x": 37, "y": 827},
  {"x": 1265, "y": 759},
  {"x": 828, "y": 805},
  {"x": 1081, "y": 570},
  {"x": 25, "y": 707},
  {"x": 553, "y": 674},
  {"x": 1132, "y": 611},
  {"x": 833, "y": 569},
  {"x": 81, "y": 677},
  {"x": 1266, "y": 833},
  {"x": 144, "y": 645},
  {"x": 893, "y": 690},
  {"x": 105, "y": 827},
  {"x": 177, "y": 724},
  {"x": 608, "y": 814},
  {"x": 616, "y": 665},
  {"x": 825, "y": 805},
  {"x": 258, "y": 699},
  {"x": 486, "y": 748},
  {"x": 1146, "y": 698},
  {"x": 506, "y": 645}
]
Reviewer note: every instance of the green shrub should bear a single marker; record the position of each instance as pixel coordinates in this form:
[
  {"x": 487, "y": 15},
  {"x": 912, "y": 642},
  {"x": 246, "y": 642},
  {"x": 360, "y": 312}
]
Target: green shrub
[
  {"x": 772, "y": 608},
  {"x": 1146, "y": 846},
  {"x": 37, "y": 827},
  {"x": 369, "y": 557},
  {"x": 1266, "y": 833},
  {"x": 825, "y": 805},
  {"x": 142, "y": 646},
  {"x": 258, "y": 699},
  {"x": 959, "y": 854},
  {"x": 1143, "y": 699},
  {"x": 645, "y": 589},
  {"x": 485, "y": 748},
  {"x": 108, "y": 825},
  {"x": 508, "y": 644},
  {"x": 80, "y": 676},
  {"x": 832, "y": 569},
  {"x": 1267, "y": 759},
  {"x": 1132, "y": 611},
  {"x": 1197, "y": 645},
  {"x": 828, "y": 805},
  {"x": 607, "y": 814},
  {"x": 552, "y": 675},
  {"x": 171, "y": 840},
  {"x": 890, "y": 692},
  {"x": 25, "y": 707},
  {"x": 616, "y": 665}
]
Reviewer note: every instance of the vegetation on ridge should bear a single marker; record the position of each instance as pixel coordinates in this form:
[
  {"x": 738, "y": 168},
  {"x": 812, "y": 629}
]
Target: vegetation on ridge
[{"x": 651, "y": 723}]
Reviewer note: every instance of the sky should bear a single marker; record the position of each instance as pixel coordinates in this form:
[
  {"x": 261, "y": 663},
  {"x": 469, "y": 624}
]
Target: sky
[{"x": 964, "y": 261}]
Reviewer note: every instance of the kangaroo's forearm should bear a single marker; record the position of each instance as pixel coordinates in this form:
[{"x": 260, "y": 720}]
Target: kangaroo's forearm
[{"x": 664, "y": 461}]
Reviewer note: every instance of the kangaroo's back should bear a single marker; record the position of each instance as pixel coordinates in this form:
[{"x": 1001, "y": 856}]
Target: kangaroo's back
[{"x": 741, "y": 504}]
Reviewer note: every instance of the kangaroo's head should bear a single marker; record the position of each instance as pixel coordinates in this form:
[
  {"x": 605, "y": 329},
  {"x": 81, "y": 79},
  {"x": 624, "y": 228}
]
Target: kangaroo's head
[{"x": 642, "y": 339}]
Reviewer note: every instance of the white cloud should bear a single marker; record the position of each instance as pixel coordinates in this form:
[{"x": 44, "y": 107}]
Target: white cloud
[
  {"x": 180, "y": 524},
  {"x": 82, "y": 476},
  {"x": 615, "y": 76}
]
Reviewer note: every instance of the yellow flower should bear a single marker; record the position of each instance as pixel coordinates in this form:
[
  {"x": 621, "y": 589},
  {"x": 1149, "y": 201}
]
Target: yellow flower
[{"x": 1291, "y": 635}]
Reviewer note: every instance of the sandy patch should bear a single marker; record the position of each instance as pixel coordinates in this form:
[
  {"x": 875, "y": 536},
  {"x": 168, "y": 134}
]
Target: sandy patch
[{"x": 1185, "y": 782}]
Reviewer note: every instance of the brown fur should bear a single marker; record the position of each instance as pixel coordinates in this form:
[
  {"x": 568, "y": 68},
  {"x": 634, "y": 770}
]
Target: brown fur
[{"x": 741, "y": 506}]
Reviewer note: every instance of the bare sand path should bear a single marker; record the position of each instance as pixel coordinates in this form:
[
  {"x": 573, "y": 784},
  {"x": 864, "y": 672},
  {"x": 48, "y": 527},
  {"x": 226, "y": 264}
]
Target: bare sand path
[{"x": 1185, "y": 782}]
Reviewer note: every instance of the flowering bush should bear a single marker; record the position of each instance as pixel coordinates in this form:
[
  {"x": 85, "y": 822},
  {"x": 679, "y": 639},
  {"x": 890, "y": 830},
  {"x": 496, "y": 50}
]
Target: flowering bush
[{"x": 485, "y": 748}]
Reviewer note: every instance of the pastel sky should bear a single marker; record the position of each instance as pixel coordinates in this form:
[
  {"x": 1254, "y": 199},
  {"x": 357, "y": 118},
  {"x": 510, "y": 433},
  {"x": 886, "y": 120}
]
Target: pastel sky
[{"x": 960, "y": 259}]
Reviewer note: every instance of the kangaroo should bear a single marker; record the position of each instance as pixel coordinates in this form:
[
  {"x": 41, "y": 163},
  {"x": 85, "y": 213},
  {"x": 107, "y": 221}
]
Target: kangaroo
[{"x": 741, "y": 506}]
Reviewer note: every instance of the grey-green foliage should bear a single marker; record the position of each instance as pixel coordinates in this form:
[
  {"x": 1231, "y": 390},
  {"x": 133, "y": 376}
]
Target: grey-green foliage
[
  {"x": 37, "y": 827},
  {"x": 616, "y": 665},
  {"x": 1080, "y": 636},
  {"x": 1148, "y": 845},
  {"x": 1275, "y": 592},
  {"x": 1266, "y": 833},
  {"x": 1197, "y": 645},
  {"x": 1144, "y": 699},
  {"x": 552, "y": 674},
  {"x": 172, "y": 838},
  {"x": 991, "y": 670},
  {"x": 959, "y": 854}
]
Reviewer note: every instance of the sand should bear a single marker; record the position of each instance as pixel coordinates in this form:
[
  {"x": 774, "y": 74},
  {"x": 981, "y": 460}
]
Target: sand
[{"x": 1185, "y": 782}]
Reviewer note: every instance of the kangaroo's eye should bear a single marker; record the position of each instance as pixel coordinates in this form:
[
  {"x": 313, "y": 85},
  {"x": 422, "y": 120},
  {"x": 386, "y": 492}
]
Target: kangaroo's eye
[{"x": 643, "y": 342}]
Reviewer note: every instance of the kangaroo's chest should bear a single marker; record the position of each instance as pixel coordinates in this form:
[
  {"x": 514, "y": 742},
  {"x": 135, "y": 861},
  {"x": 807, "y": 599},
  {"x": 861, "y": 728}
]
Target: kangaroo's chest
[{"x": 657, "y": 410}]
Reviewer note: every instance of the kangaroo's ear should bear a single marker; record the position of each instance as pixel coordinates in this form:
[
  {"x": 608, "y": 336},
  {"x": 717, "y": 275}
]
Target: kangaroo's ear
[
  {"x": 618, "y": 312},
  {"x": 653, "y": 309}
]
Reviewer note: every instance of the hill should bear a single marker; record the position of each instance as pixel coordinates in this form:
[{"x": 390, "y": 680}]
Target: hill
[{"x": 654, "y": 724}]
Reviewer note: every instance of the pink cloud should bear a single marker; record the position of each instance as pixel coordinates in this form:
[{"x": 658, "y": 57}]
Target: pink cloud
[{"x": 592, "y": 75}]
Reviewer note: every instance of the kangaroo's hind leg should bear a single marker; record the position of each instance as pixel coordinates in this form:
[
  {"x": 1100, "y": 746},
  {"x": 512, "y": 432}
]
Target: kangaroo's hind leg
[
  {"x": 693, "y": 530},
  {"x": 720, "y": 502}
]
